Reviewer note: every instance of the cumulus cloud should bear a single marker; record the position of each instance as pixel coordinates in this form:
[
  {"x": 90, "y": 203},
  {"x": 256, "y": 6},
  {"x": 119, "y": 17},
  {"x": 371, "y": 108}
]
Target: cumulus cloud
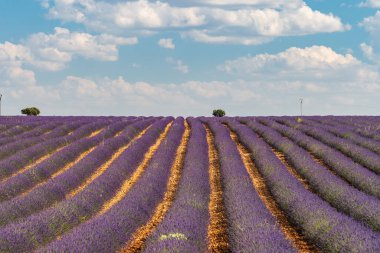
[
  {"x": 367, "y": 51},
  {"x": 166, "y": 43},
  {"x": 233, "y": 3},
  {"x": 370, "y": 3},
  {"x": 109, "y": 95},
  {"x": 52, "y": 51},
  {"x": 372, "y": 49},
  {"x": 316, "y": 63},
  {"x": 269, "y": 83},
  {"x": 106, "y": 96},
  {"x": 372, "y": 24},
  {"x": 178, "y": 65},
  {"x": 226, "y": 21},
  {"x": 326, "y": 78}
]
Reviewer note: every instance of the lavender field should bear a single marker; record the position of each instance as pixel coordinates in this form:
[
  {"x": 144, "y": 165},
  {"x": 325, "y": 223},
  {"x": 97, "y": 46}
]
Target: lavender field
[{"x": 164, "y": 184}]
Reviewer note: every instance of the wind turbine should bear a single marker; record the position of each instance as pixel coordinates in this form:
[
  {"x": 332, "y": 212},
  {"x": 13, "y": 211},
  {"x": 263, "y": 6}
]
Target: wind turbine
[
  {"x": 301, "y": 103},
  {"x": 1, "y": 95}
]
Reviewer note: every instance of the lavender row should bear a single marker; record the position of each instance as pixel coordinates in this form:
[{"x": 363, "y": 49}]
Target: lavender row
[
  {"x": 329, "y": 229},
  {"x": 331, "y": 188},
  {"x": 15, "y": 130},
  {"x": 36, "y": 132},
  {"x": 184, "y": 228},
  {"x": 56, "y": 189},
  {"x": 344, "y": 132},
  {"x": 43, "y": 171},
  {"x": 251, "y": 226},
  {"x": 360, "y": 155},
  {"x": 111, "y": 230},
  {"x": 366, "y": 130},
  {"x": 23, "y": 143},
  {"x": 355, "y": 174},
  {"x": 41, "y": 228},
  {"x": 22, "y": 158}
]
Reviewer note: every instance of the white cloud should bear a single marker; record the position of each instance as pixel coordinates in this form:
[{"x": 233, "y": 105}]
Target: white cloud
[
  {"x": 367, "y": 51},
  {"x": 264, "y": 84},
  {"x": 105, "y": 96},
  {"x": 372, "y": 49},
  {"x": 178, "y": 65},
  {"x": 258, "y": 3},
  {"x": 166, "y": 43},
  {"x": 370, "y": 3},
  {"x": 238, "y": 22},
  {"x": 112, "y": 94},
  {"x": 312, "y": 64},
  {"x": 372, "y": 24},
  {"x": 53, "y": 51},
  {"x": 63, "y": 44}
]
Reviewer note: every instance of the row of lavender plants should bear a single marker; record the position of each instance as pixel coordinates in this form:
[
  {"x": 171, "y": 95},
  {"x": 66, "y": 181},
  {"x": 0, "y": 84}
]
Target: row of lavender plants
[
  {"x": 56, "y": 189},
  {"x": 17, "y": 125},
  {"x": 359, "y": 154},
  {"x": 12, "y": 131},
  {"x": 184, "y": 228},
  {"x": 29, "y": 137},
  {"x": 251, "y": 226},
  {"x": 329, "y": 229},
  {"x": 21, "y": 158},
  {"x": 76, "y": 145},
  {"x": 355, "y": 174},
  {"x": 366, "y": 128},
  {"x": 330, "y": 187},
  {"x": 53, "y": 131},
  {"x": 345, "y": 132},
  {"x": 111, "y": 231}
]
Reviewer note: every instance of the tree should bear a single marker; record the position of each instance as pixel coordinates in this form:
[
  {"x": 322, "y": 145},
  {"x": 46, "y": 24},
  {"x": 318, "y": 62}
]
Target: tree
[
  {"x": 31, "y": 111},
  {"x": 218, "y": 113}
]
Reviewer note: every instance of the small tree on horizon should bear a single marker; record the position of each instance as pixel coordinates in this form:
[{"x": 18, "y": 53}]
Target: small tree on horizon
[
  {"x": 31, "y": 111},
  {"x": 218, "y": 113}
]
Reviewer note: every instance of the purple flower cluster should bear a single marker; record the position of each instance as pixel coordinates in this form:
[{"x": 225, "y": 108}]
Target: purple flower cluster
[
  {"x": 360, "y": 155},
  {"x": 347, "y": 133},
  {"x": 71, "y": 202},
  {"x": 110, "y": 231},
  {"x": 17, "y": 129},
  {"x": 184, "y": 228},
  {"x": 322, "y": 224},
  {"x": 22, "y": 158},
  {"x": 355, "y": 174},
  {"x": 251, "y": 226},
  {"x": 28, "y": 179},
  {"x": 55, "y": 190},
  {"x": 331, "y": 188}
]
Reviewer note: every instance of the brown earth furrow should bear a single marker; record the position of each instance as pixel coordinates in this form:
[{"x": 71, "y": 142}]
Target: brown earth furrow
[
  {"x": 128, "y": 183},
  {"x": 136, "y": 244},
  {"x": 217, "y": 233},
  {"x": 290, "y": 231},
  {"x": 105, "y": 166},
  {"x": 291, "y": 170},
  {"x": 45, "y": 157},
  {"x": 59, "y": 172},
  {"x": 321, "y": 162}
]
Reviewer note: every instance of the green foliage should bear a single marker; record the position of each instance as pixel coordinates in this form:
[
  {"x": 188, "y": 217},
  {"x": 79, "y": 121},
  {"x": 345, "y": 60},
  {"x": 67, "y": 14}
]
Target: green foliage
[
  {"x": 218, "y": 113},
  {"x": 299, "y": 120},
  {"x": 31, "y": 111}
]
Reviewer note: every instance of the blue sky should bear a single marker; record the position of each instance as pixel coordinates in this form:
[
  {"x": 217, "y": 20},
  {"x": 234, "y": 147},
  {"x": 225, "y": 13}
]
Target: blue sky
[{"x": 176, "y": 57}]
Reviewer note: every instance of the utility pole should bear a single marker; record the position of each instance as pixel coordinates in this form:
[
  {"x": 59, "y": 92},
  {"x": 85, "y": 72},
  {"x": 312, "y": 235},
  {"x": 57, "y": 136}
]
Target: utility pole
[
  {"x": 1, "y": 96},
  {"x": 301, "y": 103}
]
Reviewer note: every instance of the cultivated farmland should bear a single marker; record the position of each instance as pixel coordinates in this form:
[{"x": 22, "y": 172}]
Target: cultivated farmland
[{"x": 164, "y": 184}]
